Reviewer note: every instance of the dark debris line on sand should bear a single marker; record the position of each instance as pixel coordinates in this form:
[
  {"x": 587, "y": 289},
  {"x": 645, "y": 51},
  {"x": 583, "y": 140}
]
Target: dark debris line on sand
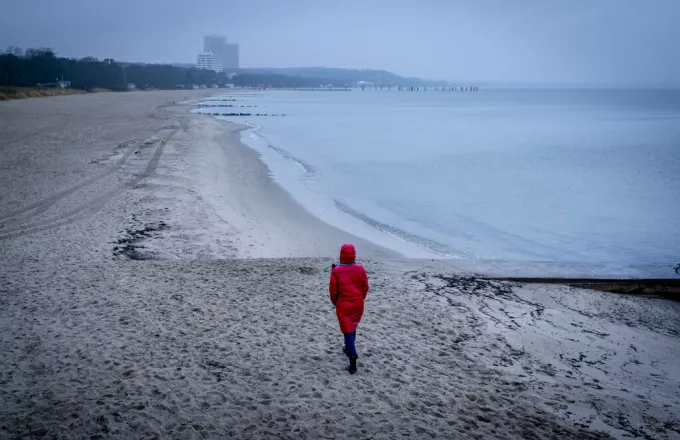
[
  {"x": 471, "y": 294},
  {"x": 128, "y": 245},
  {"x": 249, "y": 349},
  {"x": 485, "y": 290}
]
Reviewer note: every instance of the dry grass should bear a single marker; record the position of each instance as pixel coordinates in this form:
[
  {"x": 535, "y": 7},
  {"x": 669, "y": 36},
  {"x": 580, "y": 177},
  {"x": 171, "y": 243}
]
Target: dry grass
[
  {"x": 34, "y": 92},
  {"x": 99, "y": 90}
]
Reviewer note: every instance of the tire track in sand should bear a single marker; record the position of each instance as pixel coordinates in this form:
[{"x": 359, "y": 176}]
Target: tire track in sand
[
  {"x": 42, "y": 205},
  {"x": 91, "y": 206}
]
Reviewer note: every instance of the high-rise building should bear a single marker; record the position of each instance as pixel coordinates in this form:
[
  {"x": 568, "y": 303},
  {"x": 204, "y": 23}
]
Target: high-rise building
[
  {"x": 214, "y": 44},
  {"x": 227, "y": 53},
  {"x": 207, "y": 60},
  {"x": 230, "y": 56}
]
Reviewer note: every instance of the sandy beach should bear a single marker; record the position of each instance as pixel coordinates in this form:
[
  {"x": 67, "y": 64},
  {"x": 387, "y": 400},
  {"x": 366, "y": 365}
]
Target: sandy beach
[{"x": 156, "y": 283}]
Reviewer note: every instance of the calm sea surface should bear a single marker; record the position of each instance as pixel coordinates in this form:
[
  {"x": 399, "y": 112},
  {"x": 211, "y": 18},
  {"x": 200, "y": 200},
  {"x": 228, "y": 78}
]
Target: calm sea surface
[{"x": 567, "y": 177}]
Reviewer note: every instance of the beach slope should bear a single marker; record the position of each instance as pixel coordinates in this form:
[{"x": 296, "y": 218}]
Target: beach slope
[{"x": 155, "y": 282}]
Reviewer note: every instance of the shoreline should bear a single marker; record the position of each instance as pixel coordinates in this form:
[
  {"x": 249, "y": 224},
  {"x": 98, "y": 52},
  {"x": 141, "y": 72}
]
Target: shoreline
[
  {"x": 277, "y": 162},
  {"x": 331, "y": 214},
  {"x": 139, "y": 297},
  {"x": 622, "y": 281},
  {"x": 343, "y": 216},
  {"x": 236, "y": 183}
]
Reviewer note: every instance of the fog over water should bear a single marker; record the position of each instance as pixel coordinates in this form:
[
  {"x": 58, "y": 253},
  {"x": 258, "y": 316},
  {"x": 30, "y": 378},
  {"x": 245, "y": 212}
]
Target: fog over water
[{"x": 530, "y": 41}]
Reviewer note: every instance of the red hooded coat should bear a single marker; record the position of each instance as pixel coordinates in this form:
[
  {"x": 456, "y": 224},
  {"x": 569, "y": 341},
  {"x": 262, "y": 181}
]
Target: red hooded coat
[{"x": 348, "y": 288}]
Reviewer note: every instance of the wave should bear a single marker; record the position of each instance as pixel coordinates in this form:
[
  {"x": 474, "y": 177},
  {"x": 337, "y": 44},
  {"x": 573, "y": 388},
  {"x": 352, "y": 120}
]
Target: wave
[
  {"x": 310, "y": 173},
  {"x": 308, "y": 170},
  {"x": 431, "y": 246}
]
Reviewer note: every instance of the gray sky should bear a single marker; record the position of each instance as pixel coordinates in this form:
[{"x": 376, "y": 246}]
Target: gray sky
[{"x": 601, "y": 41}]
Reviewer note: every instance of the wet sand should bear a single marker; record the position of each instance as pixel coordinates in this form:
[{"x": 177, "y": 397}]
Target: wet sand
[{"x": 172, "y": 290}]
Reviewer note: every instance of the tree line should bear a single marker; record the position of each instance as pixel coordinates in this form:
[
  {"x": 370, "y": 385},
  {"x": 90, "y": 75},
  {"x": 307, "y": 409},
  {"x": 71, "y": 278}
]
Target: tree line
[
  {"x": 29, "y": 68},
  {"x": 340, "y": 76}
]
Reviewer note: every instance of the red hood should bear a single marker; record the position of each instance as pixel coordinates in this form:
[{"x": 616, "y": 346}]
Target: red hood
[{"x": 347, "y": 254}]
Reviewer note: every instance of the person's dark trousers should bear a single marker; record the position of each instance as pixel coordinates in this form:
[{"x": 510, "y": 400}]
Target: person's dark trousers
[{"x": 350, "y": 348}]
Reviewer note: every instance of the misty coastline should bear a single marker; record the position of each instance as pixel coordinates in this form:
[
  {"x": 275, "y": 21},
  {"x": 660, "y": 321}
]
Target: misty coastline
[
  {"x": 542, "y": 253},
  {"x": 369, "y": 220}
]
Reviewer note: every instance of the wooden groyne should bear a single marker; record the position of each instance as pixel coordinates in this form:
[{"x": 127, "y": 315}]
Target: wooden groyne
[{"x": 666, "y": 288}]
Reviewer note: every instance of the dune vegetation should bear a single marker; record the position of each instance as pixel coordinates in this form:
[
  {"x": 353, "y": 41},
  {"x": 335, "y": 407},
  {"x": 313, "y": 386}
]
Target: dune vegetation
[{"x": 7, "y": 93}]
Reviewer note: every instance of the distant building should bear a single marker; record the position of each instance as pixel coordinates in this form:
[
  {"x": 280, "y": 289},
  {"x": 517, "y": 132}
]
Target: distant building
[
  {"x": 214, "y": 44},
  {"x": 228, "y": 54},
  {"x": 208, "y": 61}
]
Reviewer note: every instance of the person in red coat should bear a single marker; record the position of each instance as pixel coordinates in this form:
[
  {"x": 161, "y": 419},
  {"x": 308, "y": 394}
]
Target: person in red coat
[{"x": 348, "y": 288}]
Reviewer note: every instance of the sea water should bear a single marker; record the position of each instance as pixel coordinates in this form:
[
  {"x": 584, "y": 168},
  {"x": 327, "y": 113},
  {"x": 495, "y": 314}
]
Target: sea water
[{"x": 568, "y": 178}]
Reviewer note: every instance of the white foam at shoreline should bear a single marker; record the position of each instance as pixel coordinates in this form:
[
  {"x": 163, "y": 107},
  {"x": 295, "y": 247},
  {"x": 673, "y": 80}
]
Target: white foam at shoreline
[
  {"x": 413, "y": 246},
  {"x": 536, "y": 253},
  {"x": 315, "y": 201}
]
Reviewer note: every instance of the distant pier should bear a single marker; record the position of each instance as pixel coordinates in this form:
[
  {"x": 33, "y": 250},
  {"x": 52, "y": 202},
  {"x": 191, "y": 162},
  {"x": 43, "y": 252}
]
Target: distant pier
[
  {"x": 388, "y": 88},
  {"x": 401, "y": 88}
]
